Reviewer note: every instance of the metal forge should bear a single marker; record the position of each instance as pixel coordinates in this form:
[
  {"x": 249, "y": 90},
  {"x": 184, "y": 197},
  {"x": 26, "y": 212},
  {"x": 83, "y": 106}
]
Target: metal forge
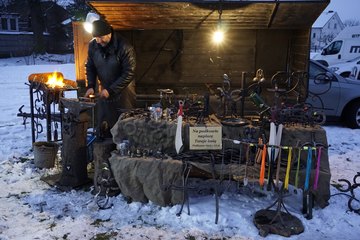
[
  {"x": 48, "y": 102},
  {"x": 45, "y": 91}
]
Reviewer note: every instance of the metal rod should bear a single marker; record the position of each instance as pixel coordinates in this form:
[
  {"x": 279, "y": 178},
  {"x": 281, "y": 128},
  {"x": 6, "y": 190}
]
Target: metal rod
[
  {"x": 242, "y": 99},
  {"x": 32, "y": 113},
  {"x": 48, "y": 116}
]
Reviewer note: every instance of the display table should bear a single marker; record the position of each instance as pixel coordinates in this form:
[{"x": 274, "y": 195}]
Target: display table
[
  {"x": 148, "y": 179},
  {"x": 159, "y": 180}
]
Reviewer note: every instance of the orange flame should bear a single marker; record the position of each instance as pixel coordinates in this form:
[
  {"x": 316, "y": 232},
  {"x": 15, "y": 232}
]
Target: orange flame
[{"x": 55, "y": 80}]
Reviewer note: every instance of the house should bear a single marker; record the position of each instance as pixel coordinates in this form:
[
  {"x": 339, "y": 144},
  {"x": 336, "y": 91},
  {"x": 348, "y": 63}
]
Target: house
[
  {"x": 325, "y": 29},
  {"x": 16, "y": 33},
  {"x": 15, "y": 40}
]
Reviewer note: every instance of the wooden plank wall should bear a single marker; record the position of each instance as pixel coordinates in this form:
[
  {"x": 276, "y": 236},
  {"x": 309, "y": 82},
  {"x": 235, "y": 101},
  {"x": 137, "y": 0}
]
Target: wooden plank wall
[
  {"x": 166, "y": 61},
  {"x": 299, "y": 59},
  {"x": 187, "y": 59},
  {"x": 13, "y": 45}
]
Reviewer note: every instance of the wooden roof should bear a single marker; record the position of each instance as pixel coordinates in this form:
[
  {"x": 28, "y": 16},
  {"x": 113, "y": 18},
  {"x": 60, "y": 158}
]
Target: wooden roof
[{"x": 196, "y": 14}]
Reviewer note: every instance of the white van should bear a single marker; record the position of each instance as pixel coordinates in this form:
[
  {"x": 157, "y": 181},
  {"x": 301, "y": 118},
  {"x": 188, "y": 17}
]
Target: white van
[{"x": 344, "y": 47}]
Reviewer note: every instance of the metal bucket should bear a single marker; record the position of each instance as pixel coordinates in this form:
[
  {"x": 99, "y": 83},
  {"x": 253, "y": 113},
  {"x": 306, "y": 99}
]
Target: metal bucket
[{"x": 45, "y": 154}]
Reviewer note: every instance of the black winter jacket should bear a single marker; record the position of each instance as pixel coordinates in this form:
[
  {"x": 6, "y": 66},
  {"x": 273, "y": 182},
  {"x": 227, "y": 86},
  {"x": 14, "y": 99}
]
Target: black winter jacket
[{"x": 114, "y": 64}]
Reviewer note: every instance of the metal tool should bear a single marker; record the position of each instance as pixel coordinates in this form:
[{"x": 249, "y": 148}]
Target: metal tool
[{"x": 308, "y": 196}]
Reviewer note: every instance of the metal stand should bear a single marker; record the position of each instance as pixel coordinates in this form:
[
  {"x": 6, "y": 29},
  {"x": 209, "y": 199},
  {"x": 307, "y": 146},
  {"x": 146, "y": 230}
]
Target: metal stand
[
  {"x": 74, "y": 150},
  {"x": 277, "y": 221},
  {"x": 279, "y": 205},
  {"x": 186, "y": 171}
]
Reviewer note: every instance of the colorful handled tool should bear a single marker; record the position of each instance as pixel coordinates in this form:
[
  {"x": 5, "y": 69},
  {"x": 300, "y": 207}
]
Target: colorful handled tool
[
  {"x": 288, "y": 167},
  {"x": 308, "y": 170},
  {"x": 307, "y": 195},
  {"x": 278, "y": 168},
  {"x": 262, "y": 167}
]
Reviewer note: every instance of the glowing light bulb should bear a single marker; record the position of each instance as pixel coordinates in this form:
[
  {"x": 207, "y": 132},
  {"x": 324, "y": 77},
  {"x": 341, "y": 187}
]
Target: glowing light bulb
[
  {"x": 90, "y": 18},
  {"x": 88, "y": 27},
  {"x": 218, "y": 36}
]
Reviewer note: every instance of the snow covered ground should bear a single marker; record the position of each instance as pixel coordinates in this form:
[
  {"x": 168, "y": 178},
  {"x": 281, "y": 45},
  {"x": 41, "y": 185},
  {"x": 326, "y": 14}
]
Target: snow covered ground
[{"x": 31, "y": 209}]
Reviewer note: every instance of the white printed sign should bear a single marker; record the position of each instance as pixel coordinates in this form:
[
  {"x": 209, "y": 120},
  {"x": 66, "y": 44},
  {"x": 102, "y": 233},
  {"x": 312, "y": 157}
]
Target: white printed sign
[{"x": 205, "y": 138}]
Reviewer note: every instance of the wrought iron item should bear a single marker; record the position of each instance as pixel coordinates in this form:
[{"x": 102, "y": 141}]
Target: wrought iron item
[
  {"x": 46, "y": 89},
  {"x": 351, "y": 188}
]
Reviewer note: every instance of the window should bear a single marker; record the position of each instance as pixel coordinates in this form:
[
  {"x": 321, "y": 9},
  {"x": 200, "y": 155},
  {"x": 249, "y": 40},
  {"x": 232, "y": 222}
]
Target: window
[
  {"x": 333, "y": 48},
  {"x": 314, "y": 35},
  {"x": 315, "y": 70},
  {"x": 13, "y": 24},
  {"x": 319, "y": 74},
  {"x": 9, "y": 23},
  {"x": 3, "y": 24},
  {"x": 335, "y": 26}
]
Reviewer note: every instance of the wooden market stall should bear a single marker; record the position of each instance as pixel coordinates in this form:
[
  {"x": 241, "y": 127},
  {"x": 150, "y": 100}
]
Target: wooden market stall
[{"x": 174, "y": 51}]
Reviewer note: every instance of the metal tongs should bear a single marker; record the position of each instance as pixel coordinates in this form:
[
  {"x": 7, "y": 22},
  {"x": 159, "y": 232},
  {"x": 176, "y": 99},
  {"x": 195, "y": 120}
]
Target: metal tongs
[{"x": 91, "y": 98}]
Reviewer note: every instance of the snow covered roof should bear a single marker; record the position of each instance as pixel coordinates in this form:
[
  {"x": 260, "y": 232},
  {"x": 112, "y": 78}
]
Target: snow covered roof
[{"x": 323, "y": 19}]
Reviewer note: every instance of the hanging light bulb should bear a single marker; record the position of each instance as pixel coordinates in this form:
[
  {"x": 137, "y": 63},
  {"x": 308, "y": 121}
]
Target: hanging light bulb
[
  {"x": 218, "y": 35},
  {"x": 88, "y": 27}
]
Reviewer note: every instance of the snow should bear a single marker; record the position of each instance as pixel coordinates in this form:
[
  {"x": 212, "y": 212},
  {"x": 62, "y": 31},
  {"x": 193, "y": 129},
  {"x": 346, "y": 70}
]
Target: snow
[
  {"x": 347, "y": 9},
  {"x": 323, "y": 19},
  {"x": 31, "y": 209}
]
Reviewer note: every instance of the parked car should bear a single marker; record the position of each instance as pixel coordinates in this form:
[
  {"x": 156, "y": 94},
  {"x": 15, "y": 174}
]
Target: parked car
[
  {"x": 344, "y": 69},
  {"x": 337, "y": 96}
]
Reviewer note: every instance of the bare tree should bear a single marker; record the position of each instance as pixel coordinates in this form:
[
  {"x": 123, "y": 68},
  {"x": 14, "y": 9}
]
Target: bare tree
[
  {"x": 78, "y": 9},
  {"x": 351, "y": 22},
  {"x": 5, "y": 3},
  {"x": 37, "y": 25},
  {"x": 326, "y": 39}
]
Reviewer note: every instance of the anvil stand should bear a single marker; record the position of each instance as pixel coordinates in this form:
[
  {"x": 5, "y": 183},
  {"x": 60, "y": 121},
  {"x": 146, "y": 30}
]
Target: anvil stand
[{"x": 74, "y": 148}]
